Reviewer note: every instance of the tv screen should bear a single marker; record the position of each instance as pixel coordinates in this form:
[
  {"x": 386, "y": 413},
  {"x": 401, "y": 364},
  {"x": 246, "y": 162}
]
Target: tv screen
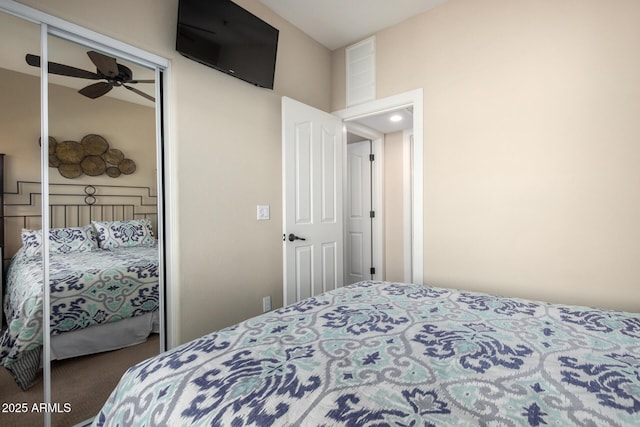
[{"x": 222, "y": 35}]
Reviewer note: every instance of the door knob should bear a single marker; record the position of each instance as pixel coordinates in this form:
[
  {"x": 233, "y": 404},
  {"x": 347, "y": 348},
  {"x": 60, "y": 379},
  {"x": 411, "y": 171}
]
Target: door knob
[{"x": 293, "y": 237}]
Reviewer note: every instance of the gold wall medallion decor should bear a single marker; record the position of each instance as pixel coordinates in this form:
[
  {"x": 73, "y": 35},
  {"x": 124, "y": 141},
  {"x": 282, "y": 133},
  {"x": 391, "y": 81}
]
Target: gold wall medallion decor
[
  {"x": 70, "y": 152},
  {"x": 91, "y": 156},
  {"x": 114, "y": 156},
  {"x": 70, "y": 170},
  {"x": 94, "y": 145},
  {"x": 127, "y": 166},
  {"x": 93, "y": 165},
  {"x": 113, "y": 171}
]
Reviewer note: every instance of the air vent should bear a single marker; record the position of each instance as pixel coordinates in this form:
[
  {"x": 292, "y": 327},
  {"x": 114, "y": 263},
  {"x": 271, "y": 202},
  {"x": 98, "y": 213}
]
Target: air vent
[{"x": 361, "y": 71}]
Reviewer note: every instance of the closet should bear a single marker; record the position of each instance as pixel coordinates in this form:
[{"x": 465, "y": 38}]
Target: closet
[{"x": 51, "y": 114}]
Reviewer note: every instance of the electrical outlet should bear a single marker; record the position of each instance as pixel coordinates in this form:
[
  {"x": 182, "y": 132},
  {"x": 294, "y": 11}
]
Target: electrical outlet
[{"x": 266, "y": 304}]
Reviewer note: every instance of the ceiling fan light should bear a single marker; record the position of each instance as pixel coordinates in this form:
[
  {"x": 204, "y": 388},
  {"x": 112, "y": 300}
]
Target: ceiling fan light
[{"x": 107, "y": 69}]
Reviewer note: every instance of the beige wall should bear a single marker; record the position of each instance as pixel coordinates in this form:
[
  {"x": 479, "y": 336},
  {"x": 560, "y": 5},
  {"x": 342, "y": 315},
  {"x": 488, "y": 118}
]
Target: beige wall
[
  {"x": 126, "y": 126},
  {"x": 530, "y": 144},
  {"x": 530, "y": 112},
  {"x": 227, "y": 156}
]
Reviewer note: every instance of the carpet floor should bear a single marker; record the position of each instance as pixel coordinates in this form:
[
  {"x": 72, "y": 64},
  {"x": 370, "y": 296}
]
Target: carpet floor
[{"x": 80, "y": 386}]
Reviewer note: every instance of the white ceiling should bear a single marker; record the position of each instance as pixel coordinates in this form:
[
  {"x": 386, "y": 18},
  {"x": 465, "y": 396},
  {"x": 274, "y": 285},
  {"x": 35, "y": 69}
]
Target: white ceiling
[
  {"x": 382, "y": 123},
  {"x": 339, "y": 23}
]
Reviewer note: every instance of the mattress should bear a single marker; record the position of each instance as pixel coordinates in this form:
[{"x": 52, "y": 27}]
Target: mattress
[{"x": 378, "y": 353}]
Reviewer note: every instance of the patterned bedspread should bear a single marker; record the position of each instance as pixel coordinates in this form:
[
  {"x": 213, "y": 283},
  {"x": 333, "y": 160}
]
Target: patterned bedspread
[
  {"x": 87, "y": 289},
  {"x": 374, "y": 354}
]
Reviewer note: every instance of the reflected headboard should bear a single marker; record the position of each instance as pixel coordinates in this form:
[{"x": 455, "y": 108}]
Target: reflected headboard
[{"x": 73, "y": 205}]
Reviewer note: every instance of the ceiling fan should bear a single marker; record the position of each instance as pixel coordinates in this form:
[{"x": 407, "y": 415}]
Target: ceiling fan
[{"x": 116, "y": 75}]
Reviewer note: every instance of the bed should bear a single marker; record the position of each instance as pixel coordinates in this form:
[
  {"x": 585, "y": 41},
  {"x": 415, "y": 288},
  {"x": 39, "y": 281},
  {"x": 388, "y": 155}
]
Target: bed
[
  {"x": 103, "y": 289},
  {"x": 379, "y": 353}
]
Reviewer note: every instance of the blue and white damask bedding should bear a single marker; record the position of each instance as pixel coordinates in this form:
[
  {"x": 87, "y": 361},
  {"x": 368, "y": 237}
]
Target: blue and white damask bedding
[
  {"x": 88, "y": 288},
  {"x": 378, "y": 353}
]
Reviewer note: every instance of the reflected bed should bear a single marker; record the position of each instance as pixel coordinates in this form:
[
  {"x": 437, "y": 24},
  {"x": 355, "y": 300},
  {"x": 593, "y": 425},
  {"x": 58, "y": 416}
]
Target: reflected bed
[{"x": 102, "y": 298}]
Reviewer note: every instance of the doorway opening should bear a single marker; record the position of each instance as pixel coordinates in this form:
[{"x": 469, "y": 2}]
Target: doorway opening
[
  {"x": 396, "y": 225},
  {"x": 378, "y": 195},
  {"x": 315, "y": 193}
]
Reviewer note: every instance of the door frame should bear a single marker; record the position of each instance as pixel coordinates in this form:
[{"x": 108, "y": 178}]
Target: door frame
[
  {"x": 413, "y": 99},
  {"x": 407, "y": 186}
]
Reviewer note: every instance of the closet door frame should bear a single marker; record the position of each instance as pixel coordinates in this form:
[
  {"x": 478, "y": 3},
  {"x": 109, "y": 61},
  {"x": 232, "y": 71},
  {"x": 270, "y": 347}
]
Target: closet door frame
[{"x": 51, "y": 25}]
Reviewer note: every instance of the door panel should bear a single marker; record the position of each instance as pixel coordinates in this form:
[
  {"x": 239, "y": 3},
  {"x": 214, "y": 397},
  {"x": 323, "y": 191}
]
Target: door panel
[
  {"x": 358, "y": 219},
  {"x": 329, "y": 271},
  {"x": 329, "y": 191},
  {"x": 355, "y": 257},
  {"x": 126, "y": 122},
  {"x": 312, "y": 200},
  {"x": 303, "y": 172},
  {"x": 304, "y": 271}
]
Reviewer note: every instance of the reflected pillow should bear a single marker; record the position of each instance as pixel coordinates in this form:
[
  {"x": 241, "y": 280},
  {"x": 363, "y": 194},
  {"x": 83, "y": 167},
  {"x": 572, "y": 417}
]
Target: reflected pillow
[
  {"x": 118, "y": 234},
  {"x": 61, "y": 240}
]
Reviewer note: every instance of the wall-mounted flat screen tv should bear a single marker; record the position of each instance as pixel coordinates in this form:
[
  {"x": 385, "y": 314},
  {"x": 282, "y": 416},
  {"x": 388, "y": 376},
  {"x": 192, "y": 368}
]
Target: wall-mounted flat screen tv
[{"x": 222, "y": 35}]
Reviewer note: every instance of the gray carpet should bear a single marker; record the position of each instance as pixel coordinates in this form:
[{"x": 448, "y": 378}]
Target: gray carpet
[{"x": 84, "y": 383}]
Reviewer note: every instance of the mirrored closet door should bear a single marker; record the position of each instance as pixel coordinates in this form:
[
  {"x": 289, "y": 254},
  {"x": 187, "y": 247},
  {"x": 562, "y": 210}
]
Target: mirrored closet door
[
  {"x": 21, "y": 339},
  {"x": 84, "y": 168},
  {"x": 103, "y": 216}
]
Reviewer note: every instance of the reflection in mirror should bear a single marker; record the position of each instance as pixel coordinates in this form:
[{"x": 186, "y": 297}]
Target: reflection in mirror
[
  {"x": 20, "y": 343},
  {"x": 103, "y": 216}
]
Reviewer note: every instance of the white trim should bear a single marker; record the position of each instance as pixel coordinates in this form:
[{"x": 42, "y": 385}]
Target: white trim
[
  {"x": 160, "y": 209},
  {"x": 283, "y": 173},
  {"x": 172, "y": 264},
  {"x": 44, "y": 194},
  {"x": 412, "y": 98},
  {"x": 363, "y": 131},
  {"x": 407, "y": 186},
  {"x": 378, "y": 238}
]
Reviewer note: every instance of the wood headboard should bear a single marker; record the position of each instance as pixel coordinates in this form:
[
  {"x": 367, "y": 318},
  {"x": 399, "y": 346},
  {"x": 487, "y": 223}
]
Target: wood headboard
[{"x": 73, "y": 205}]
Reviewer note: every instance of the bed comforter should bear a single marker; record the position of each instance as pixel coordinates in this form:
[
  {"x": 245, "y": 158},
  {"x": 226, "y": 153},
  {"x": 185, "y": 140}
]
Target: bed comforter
[
  {"x": 87, "y": 289},
  {"x": 377, "y": 353}
]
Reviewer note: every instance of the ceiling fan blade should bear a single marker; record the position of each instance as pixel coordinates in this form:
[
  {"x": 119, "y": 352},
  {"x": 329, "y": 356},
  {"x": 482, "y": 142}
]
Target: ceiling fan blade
[
  {"x": 105, "y": 64},
  {"x": 61, "y": 69},
  {"x": 141, "y": 81},
  {"x": 141, "y": 93},
  {"x": 96, "y": 90}
]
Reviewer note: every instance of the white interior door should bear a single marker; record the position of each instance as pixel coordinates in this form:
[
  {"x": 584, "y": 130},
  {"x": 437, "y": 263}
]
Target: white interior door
[
  {"x": 312, "y": 156},
  {"x": 359, "y": 206}
]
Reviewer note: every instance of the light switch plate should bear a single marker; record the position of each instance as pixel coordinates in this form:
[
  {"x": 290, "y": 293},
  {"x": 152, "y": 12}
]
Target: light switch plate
[{"x": 263, "y": 212}]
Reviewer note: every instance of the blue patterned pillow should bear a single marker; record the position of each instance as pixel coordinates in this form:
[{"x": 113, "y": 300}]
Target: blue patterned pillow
[
  {"x": 61, "y": 240},
  {"x": 31, "y": 242},
  {"x": 117, "y": 234}
]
